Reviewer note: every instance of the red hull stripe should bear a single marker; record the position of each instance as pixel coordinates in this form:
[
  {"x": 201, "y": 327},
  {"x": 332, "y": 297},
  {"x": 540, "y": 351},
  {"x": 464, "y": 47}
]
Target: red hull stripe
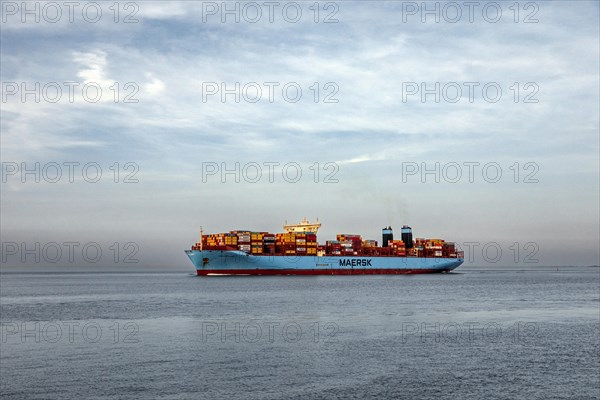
[{"x": 371, "y": 271}]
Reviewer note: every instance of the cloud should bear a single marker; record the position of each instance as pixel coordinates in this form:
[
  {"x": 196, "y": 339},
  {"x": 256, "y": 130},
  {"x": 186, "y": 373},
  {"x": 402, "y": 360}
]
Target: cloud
[
  {"x": 155, "y": 86},
  {"x": 362, "y": 62},
  {"x": 92, "y": 66}
]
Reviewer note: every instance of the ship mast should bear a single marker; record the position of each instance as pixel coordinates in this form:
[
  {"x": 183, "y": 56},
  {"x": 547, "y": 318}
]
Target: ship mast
[{"x": 200, "y": 238}]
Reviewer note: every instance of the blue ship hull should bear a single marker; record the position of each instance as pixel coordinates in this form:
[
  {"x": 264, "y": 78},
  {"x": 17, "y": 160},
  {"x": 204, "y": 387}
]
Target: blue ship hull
[{"x": 234, "y": 262}]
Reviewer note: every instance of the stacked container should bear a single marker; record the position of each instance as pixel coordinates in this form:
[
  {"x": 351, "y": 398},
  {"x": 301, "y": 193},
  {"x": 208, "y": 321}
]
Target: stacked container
[
  {"x": 311, "y": 244},
  {"x": 354, "y": 241},
  {"x": 397, "y": 247},
  {"x": 301, "y": 244},
  {"x": 419, "y": 247},
  {"x": 269, "y": 243},
  {"x": 244, "y": 243},
  {"x": 231, "y": 239},
  {"x": 286, "y": 243},
  {"x": 347, "y": 249},
  {"x": 305, "y": 244},
  {"x": 256, "y": 242},
  {"x": 449, "y": 249},
  {"x": 369, "y": 243},
  {"x": 333, "y": 247},
  {"x": 433, "y": 247},
  {"x": 214, "y": 240}
]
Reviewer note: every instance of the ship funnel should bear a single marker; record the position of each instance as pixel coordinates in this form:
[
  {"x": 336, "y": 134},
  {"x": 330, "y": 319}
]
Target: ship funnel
[
  {"x": 387, "y": 235},
  {"x": 407, "y": 236}
]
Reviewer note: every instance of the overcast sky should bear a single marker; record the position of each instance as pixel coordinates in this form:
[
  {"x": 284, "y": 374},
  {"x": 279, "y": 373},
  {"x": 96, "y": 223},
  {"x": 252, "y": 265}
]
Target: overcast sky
[{"x": 361, "y": 68}]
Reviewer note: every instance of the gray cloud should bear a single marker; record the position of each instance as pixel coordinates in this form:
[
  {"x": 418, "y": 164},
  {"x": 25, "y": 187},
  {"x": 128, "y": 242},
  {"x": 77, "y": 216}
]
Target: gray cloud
[{"x": 370, "y": 132}]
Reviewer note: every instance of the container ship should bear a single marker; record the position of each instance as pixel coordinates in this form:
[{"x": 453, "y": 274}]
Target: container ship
[{"x": 297, "y": 252}]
